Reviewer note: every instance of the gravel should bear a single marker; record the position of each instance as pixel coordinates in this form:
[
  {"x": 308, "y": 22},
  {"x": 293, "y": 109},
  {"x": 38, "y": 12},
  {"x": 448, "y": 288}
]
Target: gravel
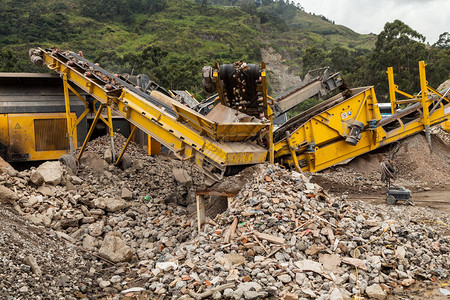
[{"x": 110, "y": 233}]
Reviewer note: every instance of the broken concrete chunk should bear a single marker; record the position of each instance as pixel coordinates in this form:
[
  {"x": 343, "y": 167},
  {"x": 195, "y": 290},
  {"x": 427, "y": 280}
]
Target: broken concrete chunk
[
  {"x": 231, "y": 260},
  {"x": 115, "y": 249},
  {"x": 31, "y": 261},
  {"x": 7, "y": 195},
  {"x": 355, "y": 262},
  {"x": 376, "y": 292},
  {"x": 37, "y": 179},
  {"x": 76, "y": 180},
  {"x": 310, "y": 265},
  {"x": 181, "y": 176},
  {"x": 110, "y": 205},
  {"x": 126, "y": 194},
  {"x": 89, "y": 243},
  {"x": 51, "y": 171}
]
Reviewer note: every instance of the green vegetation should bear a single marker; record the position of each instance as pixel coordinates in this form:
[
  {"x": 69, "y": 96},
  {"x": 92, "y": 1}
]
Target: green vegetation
[{"x": 171, "y": 40}]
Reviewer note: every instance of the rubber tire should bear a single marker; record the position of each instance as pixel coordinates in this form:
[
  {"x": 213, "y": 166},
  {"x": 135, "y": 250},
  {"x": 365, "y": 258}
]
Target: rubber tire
[
  {"x": 70, "y": 162},
  {"x": 126, "y": 162},
  {"x": 391, "y": 200}
]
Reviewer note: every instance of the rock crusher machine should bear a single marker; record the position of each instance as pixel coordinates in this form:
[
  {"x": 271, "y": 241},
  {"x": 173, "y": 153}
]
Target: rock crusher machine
[{"x": 238, "y": 131}]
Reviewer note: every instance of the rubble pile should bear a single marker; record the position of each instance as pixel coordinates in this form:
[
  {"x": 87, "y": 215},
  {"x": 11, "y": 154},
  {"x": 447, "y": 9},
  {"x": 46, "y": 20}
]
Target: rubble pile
[
  {"x": 282, "y": 235},
  {"x": 36, "y": 264},
  {"x": 285, "y": 237}
]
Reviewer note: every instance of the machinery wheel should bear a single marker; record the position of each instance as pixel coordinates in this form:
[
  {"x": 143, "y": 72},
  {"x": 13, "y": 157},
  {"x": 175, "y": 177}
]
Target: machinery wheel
[
  {"x": 70, "y": 162},
  {"x": 391, "y": 200},
  {"x": 126, "y": 162}
]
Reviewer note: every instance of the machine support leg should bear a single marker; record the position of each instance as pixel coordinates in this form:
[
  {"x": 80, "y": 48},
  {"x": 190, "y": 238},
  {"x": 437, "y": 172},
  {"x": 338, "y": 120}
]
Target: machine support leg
[
  {"x": 111, "y": 132},
  {"x": 424, "y": 100},
  {"x": 126, "y": 144},
  {"x": 271, "y": 151},
  {"x": 67, "y": 104},
  {"x": 293, "y": 154},
  {"x": 91, "y": 130}
]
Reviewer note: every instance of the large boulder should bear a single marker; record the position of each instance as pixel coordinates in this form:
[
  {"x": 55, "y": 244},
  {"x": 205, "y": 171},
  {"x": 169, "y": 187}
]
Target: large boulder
[
  {"x": 52, "y": 172},
  {"x": 115, "y": 249}
]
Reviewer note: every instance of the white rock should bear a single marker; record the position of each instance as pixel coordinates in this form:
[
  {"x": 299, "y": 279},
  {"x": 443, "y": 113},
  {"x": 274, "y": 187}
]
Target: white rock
[
  {"x": 133, "y": 290},
  {"x": 51, "y": 171},
  {"x": 336, "y": 294},
  {"x": 375, "y": 291}
]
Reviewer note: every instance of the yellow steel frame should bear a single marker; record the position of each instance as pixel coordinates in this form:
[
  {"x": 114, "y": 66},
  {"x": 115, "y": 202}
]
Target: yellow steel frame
[
  {"x": 320, "y": 142},
  {"x": 186, "y": 143}
]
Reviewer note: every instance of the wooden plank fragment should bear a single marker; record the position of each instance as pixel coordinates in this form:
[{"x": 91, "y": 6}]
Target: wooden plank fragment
[{"x": 271, "y": 238}]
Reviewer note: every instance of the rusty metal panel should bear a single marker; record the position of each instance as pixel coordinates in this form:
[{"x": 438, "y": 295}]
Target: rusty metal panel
[{"x": 50, "y": 134}]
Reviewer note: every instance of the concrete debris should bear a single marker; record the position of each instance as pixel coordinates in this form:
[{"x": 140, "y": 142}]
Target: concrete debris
[
  {"x": 7, "y": 196},
  {"x": 51, "y": 171},
  {"x": 36, "y": 178},
  {"x": 110, "y": 205},
  {"x": 376, "y": 292},
  {"x": 115, "y": 249},
  {"x": 283, "y": 237}
]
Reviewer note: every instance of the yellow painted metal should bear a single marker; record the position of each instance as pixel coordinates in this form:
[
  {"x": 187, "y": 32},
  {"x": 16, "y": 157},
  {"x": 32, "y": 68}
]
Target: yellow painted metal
[
  {"x": 126, "y": 144},
  {"x": 91, "y": 130},
  {"x": 222, "y": 131},
  {"x": 4, "y": 129},
  {"x": 72, "y": 125},
  {"x": 320, "y": 142},
  {"x": 19, "y": 133},
  {"x": 392, "y": 88},
  {"x": 268, "y": 113},
  {"x": 154, "y": 146},
  {"x": 446, "y": 126}
]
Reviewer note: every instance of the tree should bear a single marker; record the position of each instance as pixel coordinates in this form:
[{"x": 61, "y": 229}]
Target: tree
[
  {"x": 8, "y": 61},
  {"x": 312, "y": 59},
  {"x": 443, "y": 41},
  {"x": 401, "y": 47}
]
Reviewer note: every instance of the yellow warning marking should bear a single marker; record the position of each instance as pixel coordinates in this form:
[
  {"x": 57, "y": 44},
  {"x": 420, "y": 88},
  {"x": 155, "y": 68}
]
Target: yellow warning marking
[{"x": 17, "y": 126}]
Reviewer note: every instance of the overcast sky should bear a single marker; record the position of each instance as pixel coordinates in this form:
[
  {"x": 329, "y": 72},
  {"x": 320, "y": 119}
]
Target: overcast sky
[{"x": 428, "y": 17}]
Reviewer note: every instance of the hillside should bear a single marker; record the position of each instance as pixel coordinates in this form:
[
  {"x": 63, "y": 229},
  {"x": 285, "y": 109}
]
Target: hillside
[{"x": 170, "y": 40}]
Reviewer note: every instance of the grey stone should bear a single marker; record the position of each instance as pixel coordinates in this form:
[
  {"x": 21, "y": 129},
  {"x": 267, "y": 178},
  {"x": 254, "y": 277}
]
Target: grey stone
[
  {"x": 126, "y": 194},
  {"x": 31, "y": 261},
  {"x": 104, "y": 283},
  {"x": 284, "y": 278},
  {"x": 76, "y": 180},
  {"x": 115, "y": 249},
  {"x": 228, "y": 293},
  {"x": 115, "y": 279},
  {"x": 110, "y": 205},
  {"x": 89, "y": 243},
  {"x": 37, "y": 179},
  {"x": 181, "y": 176},
  {"x": 251, "y": 295}
]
